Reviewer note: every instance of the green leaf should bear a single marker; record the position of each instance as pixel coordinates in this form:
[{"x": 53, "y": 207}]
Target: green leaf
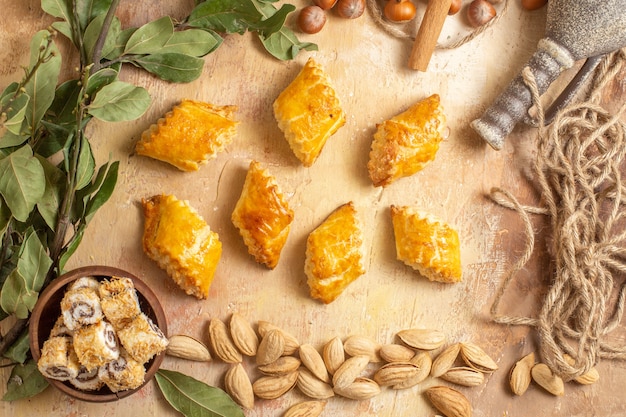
[
  {"x": 16, "y": 114},
  {"x": 192, "y": 42},
  {"x": 63, "y": 107},
  {"x": 88, "y": 10},
  {"x": 100, "y": 79},
  {"x": 150, "y": 38},
  {"x": 105, "y": 185},
  {"x": 50, "y": 202},
  {"x": 22, "y": 182},
  {"x": 119, "y": 101},
  {"x": 63, "y": 28},
  {"x": 57, "y": 138},
  {"x": 92, "y": 33},
  {"x": 71, "y": 247},
  {"x": 284, "y": 44},
  {"x": 176, "y": 68},
  {"x": 194, "y": 398},
  {"x": 21, "y": 288},
  {"x": 42, "y": 85},
  {"x": 5, "y": 218},
  {"x": 18, "y": 351},
  {"x": 230, "y": 16},
  {"x": 25, "y": 381},
  {"x": 120, "y": 44},
  {"x": 58, "y": 8},
  {"x": 274, "y": 19},
  {"x": 86, "y": 165}
]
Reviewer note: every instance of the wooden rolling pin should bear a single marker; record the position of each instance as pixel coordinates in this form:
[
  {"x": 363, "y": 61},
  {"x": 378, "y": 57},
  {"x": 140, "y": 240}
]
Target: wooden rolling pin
[{"x": 428, "y": 33}]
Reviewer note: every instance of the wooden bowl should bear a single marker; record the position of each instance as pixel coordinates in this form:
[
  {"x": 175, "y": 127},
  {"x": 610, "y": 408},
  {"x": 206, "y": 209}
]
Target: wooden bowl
[{"x": 48, "y": 309}]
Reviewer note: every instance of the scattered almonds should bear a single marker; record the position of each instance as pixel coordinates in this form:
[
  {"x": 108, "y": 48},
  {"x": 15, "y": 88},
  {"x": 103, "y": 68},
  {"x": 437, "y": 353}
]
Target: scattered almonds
[
  {"x": 272, "y": 387},
  {"x": 291, "y": 343},
  {"x": 281, "y": 366},
  {"x": 465, "y": 376},
  {"x": 396, "y": 353},
  {"x": 362, "y": 345},
  {"x": 313, "y": 361},
  {"x": 349, "y": 371},
  {"x": 360, "y": 389},
  {"x": 271, "y": 348},
  {"x": 312, "y": 386},
  {"x": 475, "y": 357}
]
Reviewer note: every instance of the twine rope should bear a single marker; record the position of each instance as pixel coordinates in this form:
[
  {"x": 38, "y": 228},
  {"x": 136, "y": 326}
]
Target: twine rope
[
  {"x": 408, "y": 30},
  {"x": 577, "y": 169}
]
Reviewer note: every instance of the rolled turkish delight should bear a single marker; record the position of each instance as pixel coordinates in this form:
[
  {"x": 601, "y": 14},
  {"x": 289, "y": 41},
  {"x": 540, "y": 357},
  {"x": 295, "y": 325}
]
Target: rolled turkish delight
[
  {"x": 142, "y": 339},
  {"x": 96, "y": 344},
  {"x": 60, "y": 329},
  {"x": 123, "y": 373},
  {"x": 87, "y": 380},
  {"x": 81, "y": 307},
  {"x": 119, "y": 302},
  {"x": 85, "y": 282},
  {"x": 58, "y": 360}
]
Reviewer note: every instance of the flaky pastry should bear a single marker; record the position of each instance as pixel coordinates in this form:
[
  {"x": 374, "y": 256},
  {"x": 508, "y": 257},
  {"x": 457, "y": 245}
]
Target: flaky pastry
[
  {"x": 334, "y": 254},
  {"x": 309, "y": 112},
  {"x": 427, "y": 244},
  {"x": 405, "y": 143},
  {"x": 262, "y": 216},
  {"x": 180, "y": 242},
  {"x": 190, "y": 135}
]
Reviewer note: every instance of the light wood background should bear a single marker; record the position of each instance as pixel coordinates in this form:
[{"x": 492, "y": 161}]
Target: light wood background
[{"x": 370, "y": 73}]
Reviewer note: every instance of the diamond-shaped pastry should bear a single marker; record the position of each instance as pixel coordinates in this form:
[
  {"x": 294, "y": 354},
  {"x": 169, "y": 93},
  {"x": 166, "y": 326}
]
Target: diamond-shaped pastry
[
  {"x": 404, "y": 144},
  {"x": 427, "y": 244},
  {"x": 309, "y": 112},
  {"x": 189, "y": 135},
  {"x": 178, "y": 239},
  {"x": 334, "y": 254},
  {"x": 262, "y": 216}
]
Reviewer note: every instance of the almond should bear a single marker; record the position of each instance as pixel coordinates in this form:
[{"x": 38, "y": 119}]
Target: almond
[
  {"x": 221, "y": 342},
  {"x": 291, "y": 343},
  {"x": 306, "y": 409},
  {"x": 361, "y": 345},
  {"x": 396, "y": 353},
  {"x": 333, "y": 354},
  {"x": 281, "y": 366},
  {"x": 186, "y": 347},
  {"x": 239, "y": 387},
  {"x": 271, "y": 348},
  {"x": 444, "y": 361},
  {"x": 349, "y": 371},
  {"x": 465, "y": 376},
  {"x": 395, "y": 373},
  {"x": 544, "y": 377},
  {"x": 475, "y": 357},
  {"x": 520, "y": 376},
  {"x": 589, "y": 377},
  {"x": 312, "y": 386},
  {"x": 313, "y": 361},
  {"x": 424, "y": 339},
  {"x": 244, "y": 336},
  {"x": 360, "y": 389},
  {"x": 449, "y": 401},
  {"x": 423, "y": 362},
  {"x": 272, "y": 387}
]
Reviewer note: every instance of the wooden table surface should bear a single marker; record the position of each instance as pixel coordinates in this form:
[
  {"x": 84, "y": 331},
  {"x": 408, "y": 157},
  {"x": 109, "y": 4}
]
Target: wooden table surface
[{"x": 369, "y": 70}]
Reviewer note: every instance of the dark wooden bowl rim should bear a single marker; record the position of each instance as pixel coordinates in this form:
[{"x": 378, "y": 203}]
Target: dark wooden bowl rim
[{"x": 43, "y": 317}]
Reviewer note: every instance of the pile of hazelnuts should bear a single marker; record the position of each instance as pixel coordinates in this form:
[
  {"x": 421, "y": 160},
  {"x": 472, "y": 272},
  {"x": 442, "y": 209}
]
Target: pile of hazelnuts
[{"x": 313, "y": 18}]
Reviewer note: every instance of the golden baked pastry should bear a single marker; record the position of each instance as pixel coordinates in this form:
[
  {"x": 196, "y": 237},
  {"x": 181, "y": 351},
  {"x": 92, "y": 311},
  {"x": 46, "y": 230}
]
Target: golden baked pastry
[
  {"x": 427, "y": 244},
  {"x": 334, "y": 254},
  {"x": 189, "y": 135},
  {"x": 405, "y": 143},
  {"x": 180, "y": 242},
  {"x": 262, "y": 216},
  {"x": 309, "y": 112}
]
